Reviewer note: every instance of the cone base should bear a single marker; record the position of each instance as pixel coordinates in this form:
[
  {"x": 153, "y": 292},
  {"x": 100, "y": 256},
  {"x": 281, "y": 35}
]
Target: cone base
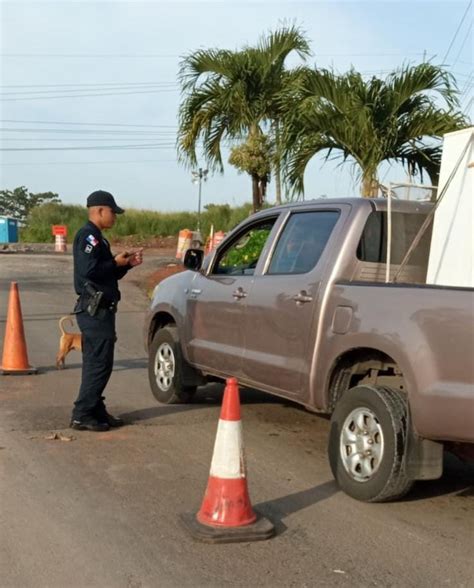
[
  {"x": 261, "y": 530},
  {"x": 24, "y": 372},
  {"x": 226, "y": 503}
]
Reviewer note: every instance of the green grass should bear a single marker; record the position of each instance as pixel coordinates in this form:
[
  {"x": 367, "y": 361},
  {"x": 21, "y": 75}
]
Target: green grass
[{"x": 139, "y": 223}]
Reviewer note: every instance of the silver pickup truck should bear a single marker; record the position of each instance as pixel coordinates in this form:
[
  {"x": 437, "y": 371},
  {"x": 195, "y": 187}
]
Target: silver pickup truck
[{"x": 295, "y": 302}]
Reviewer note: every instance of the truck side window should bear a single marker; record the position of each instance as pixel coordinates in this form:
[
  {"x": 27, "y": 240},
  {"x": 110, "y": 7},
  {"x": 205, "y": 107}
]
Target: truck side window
[
  {"x": 302, "y": 242},
  {"x": 405, "y": 226},
  {"x": 242, "y": 255}
]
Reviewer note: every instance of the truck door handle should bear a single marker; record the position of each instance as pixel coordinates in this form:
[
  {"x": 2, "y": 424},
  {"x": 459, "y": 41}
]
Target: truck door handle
[
  {"x": 302, "y": 297},
  {"x": 239, "y": 293}
]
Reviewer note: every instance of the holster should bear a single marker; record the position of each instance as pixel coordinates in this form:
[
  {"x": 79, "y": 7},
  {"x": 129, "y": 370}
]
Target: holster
[{"x": 89, "y": 301}]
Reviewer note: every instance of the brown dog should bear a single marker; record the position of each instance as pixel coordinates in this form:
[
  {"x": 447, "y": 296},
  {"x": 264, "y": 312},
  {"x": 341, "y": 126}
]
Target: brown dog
[{"x": 67, "y": 342}]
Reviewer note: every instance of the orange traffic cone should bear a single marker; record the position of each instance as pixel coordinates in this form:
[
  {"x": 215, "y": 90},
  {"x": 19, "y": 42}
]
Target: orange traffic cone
[
  {"x": 15, "y": 355},
  {"x": 226, "y": 514}
]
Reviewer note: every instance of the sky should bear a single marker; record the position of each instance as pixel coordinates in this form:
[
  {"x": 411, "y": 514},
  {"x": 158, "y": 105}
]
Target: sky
[{"x": 89, "y": 92}]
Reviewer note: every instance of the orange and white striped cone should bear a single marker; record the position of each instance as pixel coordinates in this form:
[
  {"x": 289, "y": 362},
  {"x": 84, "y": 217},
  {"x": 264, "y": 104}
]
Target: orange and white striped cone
[{"x": 226, "y": 514}]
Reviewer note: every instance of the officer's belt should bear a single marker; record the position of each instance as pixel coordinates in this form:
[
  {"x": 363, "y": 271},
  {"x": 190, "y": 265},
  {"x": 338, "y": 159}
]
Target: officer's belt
[
  {"x": 104, "y": 304},
  {"x": 108, "y": 305}
]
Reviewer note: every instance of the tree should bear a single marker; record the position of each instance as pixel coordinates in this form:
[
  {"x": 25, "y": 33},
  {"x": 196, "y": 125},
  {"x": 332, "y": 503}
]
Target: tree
[
  {"x": 401, "y": 119},
  {"x": 233, "y": 96},
  {"x": 19, "y": 202},
  {"x": 254, "y": 157}
]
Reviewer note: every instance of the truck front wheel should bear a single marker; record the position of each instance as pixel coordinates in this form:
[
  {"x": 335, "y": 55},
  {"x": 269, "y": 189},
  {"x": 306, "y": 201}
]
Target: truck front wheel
[
  {"x": 367, "y": 443},
  {"x": 167, "y": 368}
]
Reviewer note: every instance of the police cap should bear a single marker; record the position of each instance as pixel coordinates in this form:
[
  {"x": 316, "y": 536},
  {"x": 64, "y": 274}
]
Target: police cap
[{"x": 102, "y": 198}]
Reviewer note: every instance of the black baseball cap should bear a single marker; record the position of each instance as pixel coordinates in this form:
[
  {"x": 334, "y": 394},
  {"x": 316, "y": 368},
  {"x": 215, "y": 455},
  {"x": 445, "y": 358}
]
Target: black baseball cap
[{"x": 102, "y": 198}]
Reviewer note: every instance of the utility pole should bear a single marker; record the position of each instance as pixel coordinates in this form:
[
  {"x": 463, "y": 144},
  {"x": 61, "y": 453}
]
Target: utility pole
[{"x": 199, "y": 177}]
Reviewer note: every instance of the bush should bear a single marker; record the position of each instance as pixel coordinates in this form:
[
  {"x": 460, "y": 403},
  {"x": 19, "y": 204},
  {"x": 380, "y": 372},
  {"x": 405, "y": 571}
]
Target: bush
[
  {"x": 145, "y": 223},
  {"x": 37, "y": 228},
  {"x": 142, "y": 224}
]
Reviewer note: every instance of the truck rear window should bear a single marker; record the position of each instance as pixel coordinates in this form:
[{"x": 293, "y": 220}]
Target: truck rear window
[{"x": 405, "y": 226}]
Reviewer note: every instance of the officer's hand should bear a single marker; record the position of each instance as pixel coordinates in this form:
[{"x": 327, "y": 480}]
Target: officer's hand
[
  {"x": 135, "y": 258},
  {"x": 122, "y": 259}
]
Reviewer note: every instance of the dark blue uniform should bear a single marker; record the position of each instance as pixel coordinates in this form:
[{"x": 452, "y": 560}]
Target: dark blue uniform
[{"x": 94, "y": 264}]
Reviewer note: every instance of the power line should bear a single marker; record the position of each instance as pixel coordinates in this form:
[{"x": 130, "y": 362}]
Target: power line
[
  {"x": 88, "y": 55},
  {"x": 88, "y": 131},
  {"x": 49, "y": 122},
  {"x": 317, "y": 54},
  {"x": 462, "y": 44},
  {"x": 88, "y": 89},
  {"x": 115, "y": 162},
  {"x": 48, "y": 140},
  {"x": 468, "y": 85},
  {"x": 94, "y": 84},
  {"x": 164, "y": 55},
  {"x": 467, "y": 108},
  {"x": 457, "y": 31},
  {"x": 467, "y": 96},
  {"x": 86, "y": 95},
  {"x": 89, "y": 147}
]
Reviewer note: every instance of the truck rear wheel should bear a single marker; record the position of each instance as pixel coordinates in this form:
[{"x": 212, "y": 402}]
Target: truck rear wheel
[
  {"x": 367, "y": 443},
  {"x": 167, "y": 368}
]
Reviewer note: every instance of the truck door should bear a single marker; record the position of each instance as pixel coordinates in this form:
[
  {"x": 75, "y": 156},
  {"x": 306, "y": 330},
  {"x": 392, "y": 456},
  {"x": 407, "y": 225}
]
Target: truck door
[
  {"x": 283, "y": 300},
  {"x": 217, "y": 301}
]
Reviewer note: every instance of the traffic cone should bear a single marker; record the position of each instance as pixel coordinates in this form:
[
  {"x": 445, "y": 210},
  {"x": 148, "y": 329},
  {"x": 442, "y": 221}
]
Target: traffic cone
[
  {"x": 15, "y": 355},
  {"x": 226, "y": 514}
]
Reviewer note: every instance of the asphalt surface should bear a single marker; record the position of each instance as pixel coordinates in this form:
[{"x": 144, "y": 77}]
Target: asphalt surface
[{"x": 103, "y": 509}]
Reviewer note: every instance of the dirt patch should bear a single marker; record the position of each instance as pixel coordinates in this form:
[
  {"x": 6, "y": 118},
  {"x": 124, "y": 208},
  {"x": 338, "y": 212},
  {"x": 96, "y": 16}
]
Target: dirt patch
[
  {"x": 165, "y": 246},
  {"x": 27, "y": 248},
  {"x": 133, "y": 241}
]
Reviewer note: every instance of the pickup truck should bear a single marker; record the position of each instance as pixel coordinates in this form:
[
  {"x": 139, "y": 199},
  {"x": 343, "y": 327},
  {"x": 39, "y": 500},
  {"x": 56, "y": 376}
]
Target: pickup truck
[{"x": 295, "y": 302}]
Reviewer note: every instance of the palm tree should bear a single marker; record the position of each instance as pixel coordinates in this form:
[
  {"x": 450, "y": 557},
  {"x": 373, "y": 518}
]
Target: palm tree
[
  {"x": 254, "y": 157},
  {"x": 233, "y": 96},
  {"x": 401, "y": 119}
]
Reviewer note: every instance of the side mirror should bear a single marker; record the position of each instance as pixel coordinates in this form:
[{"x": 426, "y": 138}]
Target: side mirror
[{"x": 193, "y": 259}]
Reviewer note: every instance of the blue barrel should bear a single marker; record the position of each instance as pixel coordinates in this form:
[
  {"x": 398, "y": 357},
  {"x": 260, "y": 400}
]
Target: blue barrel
[{"x": 8, "y": 230}]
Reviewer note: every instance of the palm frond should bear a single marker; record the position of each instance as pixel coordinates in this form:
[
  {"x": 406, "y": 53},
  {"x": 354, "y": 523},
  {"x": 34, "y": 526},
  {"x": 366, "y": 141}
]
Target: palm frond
[
  {"x": 411, "y": 80},
  {"x": 421, "y": 159},
  {"x": 277, "y": 45},
  {"x": 202, "y": 62},
  {"x": 369, "y": 121}
]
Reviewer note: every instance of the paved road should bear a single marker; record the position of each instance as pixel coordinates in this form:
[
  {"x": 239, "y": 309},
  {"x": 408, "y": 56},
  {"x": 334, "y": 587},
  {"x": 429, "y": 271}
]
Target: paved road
[{"x": 103, "y": 509}]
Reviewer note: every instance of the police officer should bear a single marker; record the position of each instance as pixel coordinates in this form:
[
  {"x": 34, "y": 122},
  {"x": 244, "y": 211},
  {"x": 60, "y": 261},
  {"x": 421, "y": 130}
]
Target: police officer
[{"x": 96, "y": 275}]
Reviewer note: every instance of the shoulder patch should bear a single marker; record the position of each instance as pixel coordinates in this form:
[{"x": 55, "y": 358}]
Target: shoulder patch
[
  {"x": 88, "y": 248},
  {"x": 92, "y": 240}
]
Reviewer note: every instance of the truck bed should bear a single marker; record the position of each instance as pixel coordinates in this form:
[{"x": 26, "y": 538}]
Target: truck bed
[{"x": 429, "y": 332}]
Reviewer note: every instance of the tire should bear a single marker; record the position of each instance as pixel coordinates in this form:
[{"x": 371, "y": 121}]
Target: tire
[
  {"x": 168, "y": 372},
  {"x": 370, "y": 419}
]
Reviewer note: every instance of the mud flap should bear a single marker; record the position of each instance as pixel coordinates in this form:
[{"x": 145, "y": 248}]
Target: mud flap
[{"x": 424, "y": 458}]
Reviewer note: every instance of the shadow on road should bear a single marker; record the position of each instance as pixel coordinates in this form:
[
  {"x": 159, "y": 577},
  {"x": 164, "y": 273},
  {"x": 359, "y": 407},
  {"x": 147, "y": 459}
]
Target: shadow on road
[
  {"x": 206, "y": 396},
  {"x": 130, "y": 364},
  {"x": 146, "y": 414},
  {"x": 119, "y": 365},
  {"x": 280, "y": 508}
]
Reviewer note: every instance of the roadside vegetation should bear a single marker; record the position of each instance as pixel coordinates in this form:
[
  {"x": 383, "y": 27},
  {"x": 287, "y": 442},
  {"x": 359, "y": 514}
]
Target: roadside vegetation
[
  {"x": 141, "y": 224},
  {"x": 19, "y": 203}
]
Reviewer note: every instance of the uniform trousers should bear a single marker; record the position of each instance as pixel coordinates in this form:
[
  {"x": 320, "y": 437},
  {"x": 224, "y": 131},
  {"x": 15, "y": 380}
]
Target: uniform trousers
[{"x": 98, "y": 342}]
